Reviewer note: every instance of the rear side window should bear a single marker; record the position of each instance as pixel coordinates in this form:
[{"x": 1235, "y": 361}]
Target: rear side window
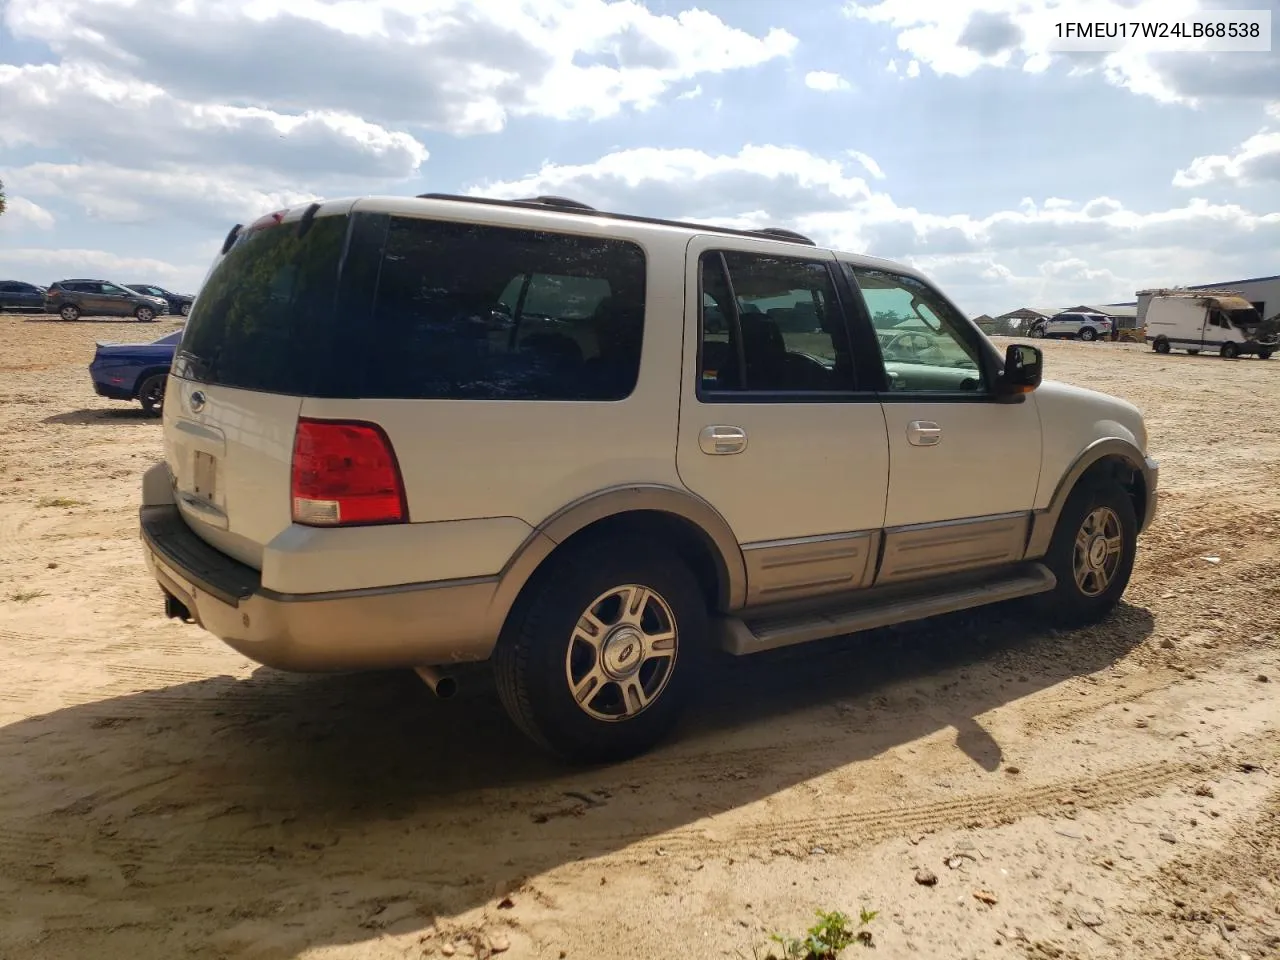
[
  {"x": 374, "y": 306},
  {"x": 472, "y": 312}
]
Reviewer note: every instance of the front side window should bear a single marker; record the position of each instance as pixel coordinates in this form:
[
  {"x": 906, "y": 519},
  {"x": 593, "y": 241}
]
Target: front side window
[
  {"x": 771, "y": 324},
  {"x": 925, "y": 345}
]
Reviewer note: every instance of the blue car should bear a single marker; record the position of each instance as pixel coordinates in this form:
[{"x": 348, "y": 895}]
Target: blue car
[{"x": 134, "y": 371}]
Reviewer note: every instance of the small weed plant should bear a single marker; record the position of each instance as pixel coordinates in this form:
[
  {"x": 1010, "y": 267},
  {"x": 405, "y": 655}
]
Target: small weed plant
[{"x": 826, "y": 938}]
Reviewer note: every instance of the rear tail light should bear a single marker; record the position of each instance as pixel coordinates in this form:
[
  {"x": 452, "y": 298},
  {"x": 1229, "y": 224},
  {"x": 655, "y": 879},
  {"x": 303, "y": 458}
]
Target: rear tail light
[{"x": 344, "y": 474}]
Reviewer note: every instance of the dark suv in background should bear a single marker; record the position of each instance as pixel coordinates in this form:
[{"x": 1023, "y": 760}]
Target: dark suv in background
[
  {"x": 178, "y": 302},
  {"x": 72, "y": 299},
  {"x": 17, "y": 295}
]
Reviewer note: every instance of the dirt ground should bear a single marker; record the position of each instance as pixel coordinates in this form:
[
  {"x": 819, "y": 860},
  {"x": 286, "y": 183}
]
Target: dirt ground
[{"x": 1111, "y": 792}]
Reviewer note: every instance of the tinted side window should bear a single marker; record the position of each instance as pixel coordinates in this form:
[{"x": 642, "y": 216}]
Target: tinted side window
[
  {"x": 772, "y": 324},
  {"x": 464, "y": 311}
]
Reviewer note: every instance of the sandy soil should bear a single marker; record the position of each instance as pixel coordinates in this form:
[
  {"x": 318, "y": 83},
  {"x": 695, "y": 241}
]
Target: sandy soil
[{"x": 1112, "y": 792}]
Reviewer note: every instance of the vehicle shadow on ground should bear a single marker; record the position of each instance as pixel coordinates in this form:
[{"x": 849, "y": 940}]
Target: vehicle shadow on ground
[
  {"x": 200, "y": 804},
  {"x": 90, "y": 416}
]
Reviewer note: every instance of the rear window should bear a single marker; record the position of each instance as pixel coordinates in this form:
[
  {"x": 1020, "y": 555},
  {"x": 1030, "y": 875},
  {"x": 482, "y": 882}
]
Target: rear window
[
  {"x": 265, "y": 319},
  {"x": 424, "y": 309}
]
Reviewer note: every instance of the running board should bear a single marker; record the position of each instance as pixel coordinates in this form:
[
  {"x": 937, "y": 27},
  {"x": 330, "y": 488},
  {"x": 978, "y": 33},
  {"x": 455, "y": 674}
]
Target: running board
[{"x": 768, "y": 631}]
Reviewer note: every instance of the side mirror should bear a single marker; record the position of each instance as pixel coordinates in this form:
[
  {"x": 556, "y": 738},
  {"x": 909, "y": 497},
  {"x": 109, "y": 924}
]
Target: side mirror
[{"x": 1023, "y": 369}]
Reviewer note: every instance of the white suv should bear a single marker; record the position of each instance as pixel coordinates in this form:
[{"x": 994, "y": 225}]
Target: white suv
[
  {"x": 592, "y": 447},
  {"x": 1074, "y": 326}
]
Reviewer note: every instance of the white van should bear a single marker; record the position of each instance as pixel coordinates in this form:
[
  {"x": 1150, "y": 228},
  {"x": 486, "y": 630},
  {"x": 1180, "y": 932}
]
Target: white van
[{"x": 1197, "y": 321}]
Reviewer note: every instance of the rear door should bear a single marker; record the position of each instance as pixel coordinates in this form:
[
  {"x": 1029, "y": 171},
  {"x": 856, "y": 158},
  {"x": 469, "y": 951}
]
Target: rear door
[
  {"x": 261, "y": 336},
  {"x": 776, "y": 430}
]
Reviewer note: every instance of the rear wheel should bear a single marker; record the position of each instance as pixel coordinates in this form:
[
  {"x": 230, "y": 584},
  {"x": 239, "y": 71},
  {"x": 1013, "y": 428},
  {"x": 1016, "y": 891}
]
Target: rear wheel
[
  {"x": 1091, "y": 554},
  {"x": 151, "y": 394},
  {"x": 69, "y": 312},
  {"x": 1088, "y": 333},
  {"x": 144, "y": 314},
  {"x": 596, "y": 665},
  {"x": 1229, "y": 351},
  {"x": 1161, "y": 345},
  {"x": 185, "y": 309},
  {"x": 1193, "y": 352},
  {"x": 1264, "y": 354}
]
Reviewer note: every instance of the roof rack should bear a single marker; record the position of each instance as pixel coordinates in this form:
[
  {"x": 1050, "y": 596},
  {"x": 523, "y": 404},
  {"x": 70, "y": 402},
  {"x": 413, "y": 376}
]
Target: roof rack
[
  {"x": 781, "y": 233},
  {"x": 566, "y": 205}
]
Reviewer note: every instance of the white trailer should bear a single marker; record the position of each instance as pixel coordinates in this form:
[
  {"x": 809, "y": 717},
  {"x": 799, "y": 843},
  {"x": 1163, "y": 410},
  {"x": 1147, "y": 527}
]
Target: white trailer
[{"x": 1225, "y": 325}]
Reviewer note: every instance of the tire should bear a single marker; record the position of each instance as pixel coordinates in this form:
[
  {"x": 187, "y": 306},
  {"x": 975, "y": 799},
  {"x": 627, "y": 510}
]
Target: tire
[
  {"x": 69, "y": 312},
  {"x": 1229, "y": 351},
  {"x": 1088, "y": 334},
  {"x": 544, "y": 649},
  {"x": 1193, "y": 352},
  {"x": 144, "y": 314},
  {"x": 151, "y": 393},
  {"x": 185, "y": 309},
  {"x": 1161, "y": 345},
  {"x": 1077, "y": 602},
  {"x": 1264, "y": 354},
  {"x": 1037, "y": 333}
]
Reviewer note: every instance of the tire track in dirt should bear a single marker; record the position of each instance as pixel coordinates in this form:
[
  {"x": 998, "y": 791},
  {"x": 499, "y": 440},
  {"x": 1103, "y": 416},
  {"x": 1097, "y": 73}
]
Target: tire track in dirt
[{"x": 856, "y": 829}]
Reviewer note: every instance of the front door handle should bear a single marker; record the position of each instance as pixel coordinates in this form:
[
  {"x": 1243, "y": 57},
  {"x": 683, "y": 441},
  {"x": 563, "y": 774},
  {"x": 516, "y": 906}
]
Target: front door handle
[
  {"x": 719, "y": 439},
  {"x": 924, "y": 433}
]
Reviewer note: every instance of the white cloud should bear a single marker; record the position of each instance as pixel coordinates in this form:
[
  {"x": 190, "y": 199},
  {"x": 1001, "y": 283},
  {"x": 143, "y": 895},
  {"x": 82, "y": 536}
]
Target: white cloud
[
  {"x": 106, "y": 116},
  {"x": 1097, "y": 250},
  {"x": 21, "y": 216},
  {"x": 462, "y": 66},
  {"x": 868, "y": 163},
  {"x": 961, "y": 36},
  {"x": 119, "y": 195},
  {"x": 45, "y": 265},
  {"x": 825, "y": 81},
  {"x": 1256, "y": 161}
]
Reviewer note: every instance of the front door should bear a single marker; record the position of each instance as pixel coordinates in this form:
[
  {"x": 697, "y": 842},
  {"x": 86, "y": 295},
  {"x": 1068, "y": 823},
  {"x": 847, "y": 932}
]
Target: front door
[
  {"x": 963, "y": 467},
  {"x": 775, "y": 430},
  {"x": 116, "y": 300}
]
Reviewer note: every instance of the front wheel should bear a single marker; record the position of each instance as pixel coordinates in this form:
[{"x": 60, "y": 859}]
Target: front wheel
[
  {"x": 1037, "y": 333},
  {"x": 1264, "y": 354},
  {"x": 1091, "y": 554},
  {"x": 1193, "y": 352},
  {"x": 151, "y": 394},
  {"x": 1230, "y": 351},
  {"x": 596, "y": 664},
  {"x": 1088, "y": 333}
]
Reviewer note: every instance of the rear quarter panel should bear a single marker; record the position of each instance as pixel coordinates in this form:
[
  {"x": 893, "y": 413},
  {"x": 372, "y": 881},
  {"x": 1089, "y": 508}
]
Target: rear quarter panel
[{"x": 525, "y": 459}]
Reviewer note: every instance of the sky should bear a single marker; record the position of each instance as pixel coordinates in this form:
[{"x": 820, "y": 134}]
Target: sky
[{"x": 941, "y": 133}]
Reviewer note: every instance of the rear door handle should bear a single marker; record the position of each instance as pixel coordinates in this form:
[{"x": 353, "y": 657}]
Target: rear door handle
[
  {"x": 722, "y": 440},
  {"x": 924, "y": 433}
]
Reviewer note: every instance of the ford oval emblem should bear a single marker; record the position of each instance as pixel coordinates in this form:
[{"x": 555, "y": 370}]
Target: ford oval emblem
[{"x": 197, "y": 401}]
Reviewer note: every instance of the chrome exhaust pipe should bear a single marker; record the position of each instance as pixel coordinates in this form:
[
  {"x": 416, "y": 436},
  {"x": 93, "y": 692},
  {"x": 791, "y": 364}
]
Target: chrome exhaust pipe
[{"x": 442, "y": 685}]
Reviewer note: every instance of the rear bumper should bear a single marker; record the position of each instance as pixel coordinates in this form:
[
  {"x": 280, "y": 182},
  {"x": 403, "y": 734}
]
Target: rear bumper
[
  {"x": 422, "y": 624},
  {"x": 111, "y": 391}
]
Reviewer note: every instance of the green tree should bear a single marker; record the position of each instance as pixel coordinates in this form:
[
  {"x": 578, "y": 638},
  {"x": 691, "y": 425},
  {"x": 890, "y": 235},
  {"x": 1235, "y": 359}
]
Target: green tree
[{"x": 1, "y": 197}]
